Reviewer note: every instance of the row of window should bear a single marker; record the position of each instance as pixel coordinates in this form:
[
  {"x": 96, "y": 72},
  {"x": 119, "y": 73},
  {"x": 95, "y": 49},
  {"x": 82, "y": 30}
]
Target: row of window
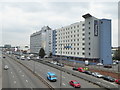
[
  {"x": 74, "y": 53},
  {"x": 71, "y": 32},
  {"x": 77, "y": 26}
]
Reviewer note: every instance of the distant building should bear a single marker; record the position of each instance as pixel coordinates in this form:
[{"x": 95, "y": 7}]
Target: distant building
[{"x": 41, "y": 39}]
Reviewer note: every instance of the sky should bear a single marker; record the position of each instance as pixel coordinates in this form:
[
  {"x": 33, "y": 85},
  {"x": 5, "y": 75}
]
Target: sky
[{"x": 18, "y": 19}]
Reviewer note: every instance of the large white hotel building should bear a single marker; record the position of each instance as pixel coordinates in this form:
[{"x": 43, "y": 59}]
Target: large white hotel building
[{"x": 84, "y": 40}]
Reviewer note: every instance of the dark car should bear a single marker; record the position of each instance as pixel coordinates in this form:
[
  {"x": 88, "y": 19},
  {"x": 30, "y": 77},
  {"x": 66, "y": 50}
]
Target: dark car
[
  {"x": 108, "y": 78},
  {"x": 107, "y": 66},
  {"x": 3, "y": 56},
  {"x": 88, "y": 72},
  {"x": 75, "y": 68}
]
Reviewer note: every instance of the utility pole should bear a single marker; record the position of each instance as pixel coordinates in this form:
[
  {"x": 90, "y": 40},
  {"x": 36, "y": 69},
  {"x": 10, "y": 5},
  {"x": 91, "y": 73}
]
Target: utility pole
[{"x": 60, "y": 70}]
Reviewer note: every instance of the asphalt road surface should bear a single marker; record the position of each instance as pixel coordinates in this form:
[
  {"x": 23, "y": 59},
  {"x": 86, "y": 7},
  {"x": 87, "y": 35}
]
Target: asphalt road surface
[
  {"x": 18, "y": 76},
  {"x": 63, "y": 81}
]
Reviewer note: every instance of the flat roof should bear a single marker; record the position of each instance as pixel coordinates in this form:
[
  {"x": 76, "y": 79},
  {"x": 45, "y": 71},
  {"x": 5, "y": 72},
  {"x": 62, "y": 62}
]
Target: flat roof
[{"x": 87, "y": 15}]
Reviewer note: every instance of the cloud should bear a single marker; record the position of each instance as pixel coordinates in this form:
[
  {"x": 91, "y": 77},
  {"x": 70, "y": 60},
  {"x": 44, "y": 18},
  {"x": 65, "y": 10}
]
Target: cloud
[{"x": 20, "y": 20}]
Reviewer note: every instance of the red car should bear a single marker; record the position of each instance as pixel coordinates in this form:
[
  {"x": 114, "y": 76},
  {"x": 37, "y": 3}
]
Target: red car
[
  {"x": 117, "y": 81},
  {"x": 80, "y": 69},
  {"x": 75, "y": 83}
]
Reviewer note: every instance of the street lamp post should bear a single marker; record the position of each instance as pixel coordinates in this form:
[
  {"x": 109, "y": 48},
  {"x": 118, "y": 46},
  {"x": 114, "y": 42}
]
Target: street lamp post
[{"x": 60, "y": 70}]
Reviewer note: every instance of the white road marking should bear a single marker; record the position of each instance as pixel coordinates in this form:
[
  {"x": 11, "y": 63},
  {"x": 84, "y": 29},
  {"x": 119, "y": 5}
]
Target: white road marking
[
  {"x": 48, "y": 69},
  {"x": 26, "y": 80},
  {"x": 63, "y": 84},
  {"x": 14, "y": 82},
  {"x": 11, "y": 72},
  {"x": 13, "y": 76},
  {"x": 23, "y": 75},
  {"x": 19, "y": 71}
]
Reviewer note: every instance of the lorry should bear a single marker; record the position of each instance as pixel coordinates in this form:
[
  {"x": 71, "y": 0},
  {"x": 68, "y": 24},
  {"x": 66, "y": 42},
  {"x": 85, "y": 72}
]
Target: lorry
[{"x": 51, "y": 76}]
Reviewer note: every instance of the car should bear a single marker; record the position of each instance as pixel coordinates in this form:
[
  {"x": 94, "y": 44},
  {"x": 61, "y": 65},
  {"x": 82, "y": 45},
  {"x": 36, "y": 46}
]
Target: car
[
  {"x": 51, "y": 76},
  {"x": 37, "y": 58},
  {"x": 108, "y": 78},
  {"x": 117, "y": 81},
  {"x": 28, "y": 58},
  {"x": 80, "y": 69},
  {"x": 99, "y": 64},
  {"x": 75, "y": 68},
  {"x": 96, "y": 74},
  {"x": 60, "y": 64},
  {"x": 88, "y": 72},
  {"x": 18, "y": 57},
  {"x": 3, "y": 56},
  {"x": 107, "y": 66},
  {"x": 75, "y": 83},
  {"x": 22, "y": 57},
  {"x": 6, "y": 67}
]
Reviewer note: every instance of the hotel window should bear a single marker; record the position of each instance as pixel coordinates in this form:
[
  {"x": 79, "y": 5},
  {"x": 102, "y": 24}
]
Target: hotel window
[
  {"x": 77, "y": 39},
  {"x": 83, "y": 29},
  {"x": 83, "y": 53},
  {"x": 71, "y": 27},
  {"x": 71, "y": 40},
  {"x": 83, "y": 39},
  {"x": 83, "y": 48},
  {"x": 71, "y": 31},
  {"x": 89, "y": 33},
  {"x": 71, "y": 52},
  {"x": 71, "y": 35},
  {"x": 77, "y": 53},
  {"x": 89, "y": 27},
  {"x": 74, "y": 31},
  {"x": 74, "y": 48},
  {"x": 89, "y": 38},
  {"x": 83, "y": 24},
  {"x": 89, "y": 54},
  {"x": 77, "y": 48},
  {"x": 89, "y": 43},
  {"x": 83, "y": 34},
  {"x": 78, "y": 35},
  {"x": 74, "y": 35},
  {"x": 74, "y": 39},
  {"x": 89, "y": 48},
  {"x": 78, "y": 30},
  {"x": 78, "y": 44},
  {"x": 74, "y": 53},
  {"x": 89, "y": 22},
  {"x": 74, "y": 44},
  {"x": 74, "y": 26},
  {"x": 78, "y": 26}
]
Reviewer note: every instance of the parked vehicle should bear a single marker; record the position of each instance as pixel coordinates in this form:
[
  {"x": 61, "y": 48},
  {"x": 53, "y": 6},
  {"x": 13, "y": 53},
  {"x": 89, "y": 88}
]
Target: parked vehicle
[
  {"x": 117, "y": 81},
  {"x": 86, "y": 62},
  {"x": 3, "y": 56},
  {"x": 75, "y": 83},
  {"x": 107, "y": 66},
  {"x": 51, "y": 76},
  {"x": 108, "y": 78},
  {"x": 99, "y": 64},
  {"x": 96, "y": 74},
  {"x": 88, "y": 72},
  {"x": 28, "y": 58},
  {"x": 6, "y": 67},
  {"x": 22, "y": 57},
  {"x": 75, "y": 68},
  {"x": 80, "y": 69}
]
